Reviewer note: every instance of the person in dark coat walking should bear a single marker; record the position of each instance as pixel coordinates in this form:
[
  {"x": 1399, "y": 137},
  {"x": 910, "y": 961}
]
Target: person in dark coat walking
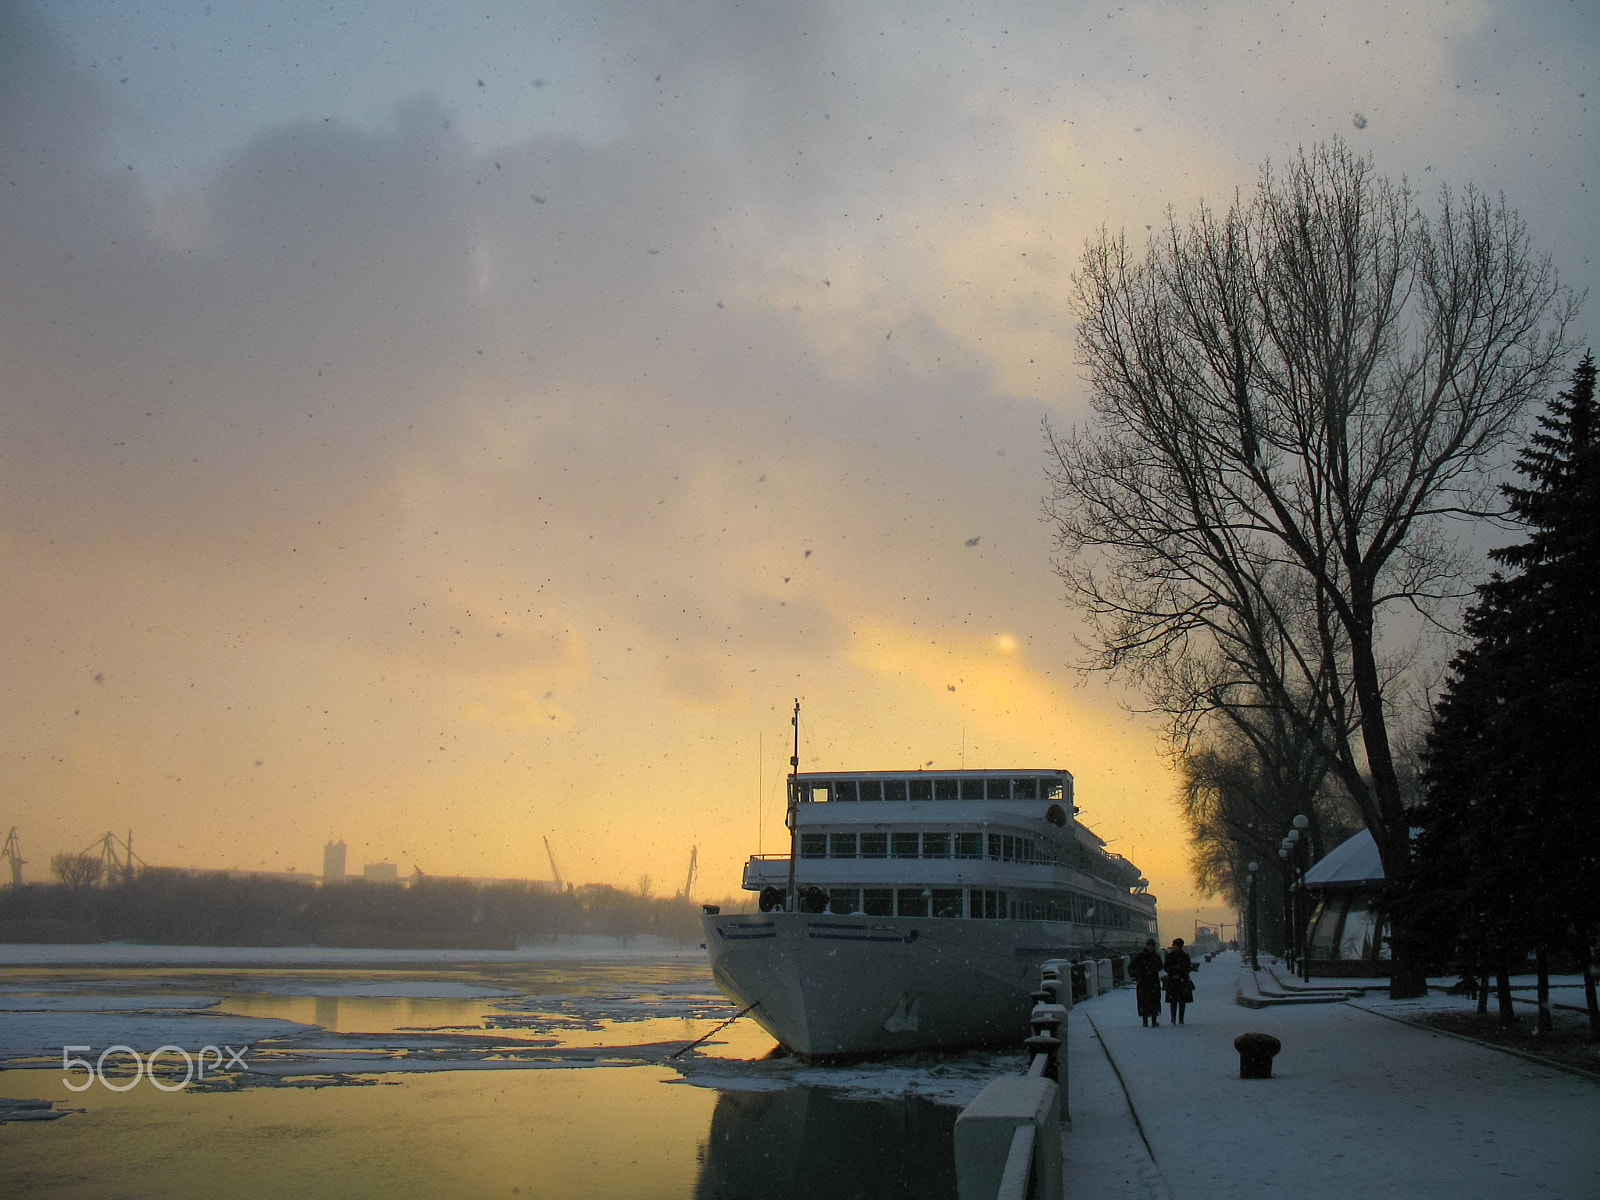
[
  {"x": 1145, "y": 970},
  {"x": 1180, "y": 989}
]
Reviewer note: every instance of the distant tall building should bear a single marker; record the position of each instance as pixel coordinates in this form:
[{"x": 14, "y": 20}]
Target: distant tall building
[
  {"x": 381, "y": 872},
  {"x": 333, "y": 862}
]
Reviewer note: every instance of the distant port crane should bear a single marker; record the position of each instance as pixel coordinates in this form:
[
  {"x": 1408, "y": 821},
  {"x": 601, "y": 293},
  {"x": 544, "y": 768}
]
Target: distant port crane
[
  {"x": 117, "y": 855},
  {"x": 13, "y": 852},
  {"x": 694, "y": 863},
  {"x": 554, "y": 870}
]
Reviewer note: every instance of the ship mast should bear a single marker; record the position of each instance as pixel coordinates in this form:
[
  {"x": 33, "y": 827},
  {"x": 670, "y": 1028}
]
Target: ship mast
[{"x": 792, "y": 817}]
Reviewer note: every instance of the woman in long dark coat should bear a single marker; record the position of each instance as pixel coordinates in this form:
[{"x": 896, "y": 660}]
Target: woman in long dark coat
[
  {"x": 1145, "y": 970},
  {"x": 1180, "y": 989}
]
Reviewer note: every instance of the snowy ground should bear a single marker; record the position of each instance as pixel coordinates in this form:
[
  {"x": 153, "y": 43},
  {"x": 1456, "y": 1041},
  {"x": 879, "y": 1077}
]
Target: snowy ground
[{"x": 1359, "y": 1105}]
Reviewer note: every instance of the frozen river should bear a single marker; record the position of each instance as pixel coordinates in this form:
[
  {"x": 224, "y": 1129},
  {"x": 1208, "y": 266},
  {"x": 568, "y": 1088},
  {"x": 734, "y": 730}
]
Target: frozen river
[{"x": 352, "y": 1073}]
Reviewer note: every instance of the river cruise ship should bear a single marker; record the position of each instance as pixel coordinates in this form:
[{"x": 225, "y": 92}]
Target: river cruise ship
[{"x": 918, "y": 908}]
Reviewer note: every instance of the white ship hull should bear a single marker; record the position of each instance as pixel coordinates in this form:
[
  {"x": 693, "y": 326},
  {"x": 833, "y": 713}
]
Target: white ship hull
[{"x": 829, "y": 986}]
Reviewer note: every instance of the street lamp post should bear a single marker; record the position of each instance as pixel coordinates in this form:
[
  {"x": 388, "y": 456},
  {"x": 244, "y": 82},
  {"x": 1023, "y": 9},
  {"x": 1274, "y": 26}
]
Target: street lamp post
[
  {"x": 1255, "y": 924},
  {"x": 1302, "y": 911},
  {"x": 1290, "y": 842},
  {"x": 1294, "y": 908},
  {"x": 1284, "y": 847}
]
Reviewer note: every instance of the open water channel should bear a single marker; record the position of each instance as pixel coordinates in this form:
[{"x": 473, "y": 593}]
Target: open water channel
[{"x": 544, "y": 1078}]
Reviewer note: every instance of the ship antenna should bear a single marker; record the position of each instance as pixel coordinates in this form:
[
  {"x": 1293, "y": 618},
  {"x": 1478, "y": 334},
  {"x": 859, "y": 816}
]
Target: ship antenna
[{"x": 793, "y": 816}]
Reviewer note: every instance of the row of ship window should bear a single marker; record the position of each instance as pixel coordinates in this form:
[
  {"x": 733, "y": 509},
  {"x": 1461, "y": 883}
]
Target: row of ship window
[
  {"x": 912, "y": 844},
  {"x": 987, "y": 904},
  {"x": 844, "y": 790}
]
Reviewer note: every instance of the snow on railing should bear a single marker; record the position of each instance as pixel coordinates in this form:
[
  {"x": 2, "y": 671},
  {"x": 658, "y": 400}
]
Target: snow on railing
[
  {"x": 1008, "y": 1140},
  {"x": 1016, "y": 1182}
]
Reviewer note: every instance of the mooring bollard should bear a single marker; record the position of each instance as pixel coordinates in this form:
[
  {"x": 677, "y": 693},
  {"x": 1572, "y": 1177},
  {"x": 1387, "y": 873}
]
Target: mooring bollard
[
  {"x": 1256, "y": 1052},
  {"x": 1046, "y": 1040},
  {"x": 1047, "y": 1018},
  {"x": 1044, "y": 1056},
  {"x": 1053, "y": 985}
]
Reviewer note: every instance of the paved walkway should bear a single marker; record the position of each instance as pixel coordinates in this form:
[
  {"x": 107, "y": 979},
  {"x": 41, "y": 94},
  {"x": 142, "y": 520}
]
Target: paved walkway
[{"x": 1360, "y": 1105}]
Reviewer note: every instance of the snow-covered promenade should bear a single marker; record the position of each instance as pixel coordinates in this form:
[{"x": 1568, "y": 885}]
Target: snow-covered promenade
[{"x": 1360, "y": 1105}]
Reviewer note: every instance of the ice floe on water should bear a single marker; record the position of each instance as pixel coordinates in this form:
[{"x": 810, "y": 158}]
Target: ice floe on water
[
  {"x": 29, "y": 1110},
  {"x": 46, "y": 1023},
  {"x": 597, "y": 1010},
  {"x": 32, "y": 1035},
  {"x": 399, "y": 989},
  {"x": 738, "y": 1083},
  {"x": 950, "y": 1079},
  {"x": 351, "y": 1024},
  {"x": 77, "y": 1002},
  {"x": 953, "y": 1081},
  {"x": 567, "y": 948}
]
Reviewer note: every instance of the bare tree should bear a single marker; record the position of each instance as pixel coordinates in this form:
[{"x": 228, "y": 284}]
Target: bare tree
[
  {"x": 77, "y": 871},
  {"x": 1293, "y": 399},
  {"x": 1239, "y": 796},
  {"x": 1230, "y": 815}
]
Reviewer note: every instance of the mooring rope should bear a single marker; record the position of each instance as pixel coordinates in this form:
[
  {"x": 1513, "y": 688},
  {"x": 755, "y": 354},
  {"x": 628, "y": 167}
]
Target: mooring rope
[{"x": 718, "y": 1029}]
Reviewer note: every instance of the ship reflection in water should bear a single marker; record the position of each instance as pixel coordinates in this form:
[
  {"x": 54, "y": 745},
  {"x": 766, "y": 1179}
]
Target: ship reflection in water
[{"x": 814, "y": 1143}]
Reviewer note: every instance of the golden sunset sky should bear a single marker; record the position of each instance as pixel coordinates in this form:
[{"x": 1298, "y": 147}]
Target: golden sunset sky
[{"x": 446, "y": 426}]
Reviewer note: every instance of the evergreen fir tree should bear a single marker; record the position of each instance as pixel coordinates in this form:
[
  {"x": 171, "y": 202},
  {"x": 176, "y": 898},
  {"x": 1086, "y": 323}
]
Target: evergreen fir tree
[{"x": 1511, "y": 826}]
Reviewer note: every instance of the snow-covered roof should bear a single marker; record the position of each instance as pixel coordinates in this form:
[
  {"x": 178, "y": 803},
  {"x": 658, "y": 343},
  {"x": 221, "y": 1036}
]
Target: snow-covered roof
[{"x": 1352, "y": 862}]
